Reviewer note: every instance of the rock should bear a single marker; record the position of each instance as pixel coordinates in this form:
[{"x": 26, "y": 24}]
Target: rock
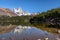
[
  {"x": 59, "y": 31},
  {"x": 6, "y": 12}
]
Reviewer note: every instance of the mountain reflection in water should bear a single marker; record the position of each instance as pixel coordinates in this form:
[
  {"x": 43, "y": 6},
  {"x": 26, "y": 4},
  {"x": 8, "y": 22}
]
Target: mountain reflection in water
[{"x": 27, "y": 33}]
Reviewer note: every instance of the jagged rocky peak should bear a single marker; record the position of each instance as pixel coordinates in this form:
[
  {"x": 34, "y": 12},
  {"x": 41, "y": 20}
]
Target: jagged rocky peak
[
  {"x": 6, "y": 12},
  {"x": 20, "y": 12}
]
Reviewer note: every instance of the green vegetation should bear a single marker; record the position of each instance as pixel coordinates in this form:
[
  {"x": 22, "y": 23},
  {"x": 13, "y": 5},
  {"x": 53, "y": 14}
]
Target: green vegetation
[
  {"x": 51, "y": 18},
  {"x": 18, "y": 20}
]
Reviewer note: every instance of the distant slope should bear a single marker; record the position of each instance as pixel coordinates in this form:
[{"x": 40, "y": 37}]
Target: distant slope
[{"x": 6, "y": 12}]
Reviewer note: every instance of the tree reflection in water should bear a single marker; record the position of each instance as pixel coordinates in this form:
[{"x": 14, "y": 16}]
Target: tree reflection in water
[{"x": 26, "y": 33}]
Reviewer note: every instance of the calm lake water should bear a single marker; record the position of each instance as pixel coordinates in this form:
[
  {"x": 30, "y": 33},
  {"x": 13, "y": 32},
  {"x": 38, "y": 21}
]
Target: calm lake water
[{"x": 25, "y": 33}]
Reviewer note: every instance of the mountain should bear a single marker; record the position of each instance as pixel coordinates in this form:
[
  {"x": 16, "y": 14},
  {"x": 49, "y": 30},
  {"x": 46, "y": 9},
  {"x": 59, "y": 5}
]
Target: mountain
[
  {"x": 6, "y": 12},
  {"x": 20, "y": 12}
]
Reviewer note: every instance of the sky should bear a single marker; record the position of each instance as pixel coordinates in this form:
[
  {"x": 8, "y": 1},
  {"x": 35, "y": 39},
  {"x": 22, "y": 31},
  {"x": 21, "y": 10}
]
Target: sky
[{"x": 30, "y": 5}]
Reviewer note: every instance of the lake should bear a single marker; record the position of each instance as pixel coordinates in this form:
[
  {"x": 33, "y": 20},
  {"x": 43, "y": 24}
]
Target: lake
[{"x": 14, "y": 32}]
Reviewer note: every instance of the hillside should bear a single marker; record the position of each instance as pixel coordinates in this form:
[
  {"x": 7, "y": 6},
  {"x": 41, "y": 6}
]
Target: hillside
[
  {"x": 51, "y": 18},
  {"x": 6, "y": 12}
]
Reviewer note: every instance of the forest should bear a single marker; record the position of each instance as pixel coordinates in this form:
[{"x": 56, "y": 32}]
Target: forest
[{"x": 50, "y": 18}]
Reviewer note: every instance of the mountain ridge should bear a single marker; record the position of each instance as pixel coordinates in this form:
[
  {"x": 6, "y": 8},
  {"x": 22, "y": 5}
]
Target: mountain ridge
[{"x": 6, "y": 12}]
